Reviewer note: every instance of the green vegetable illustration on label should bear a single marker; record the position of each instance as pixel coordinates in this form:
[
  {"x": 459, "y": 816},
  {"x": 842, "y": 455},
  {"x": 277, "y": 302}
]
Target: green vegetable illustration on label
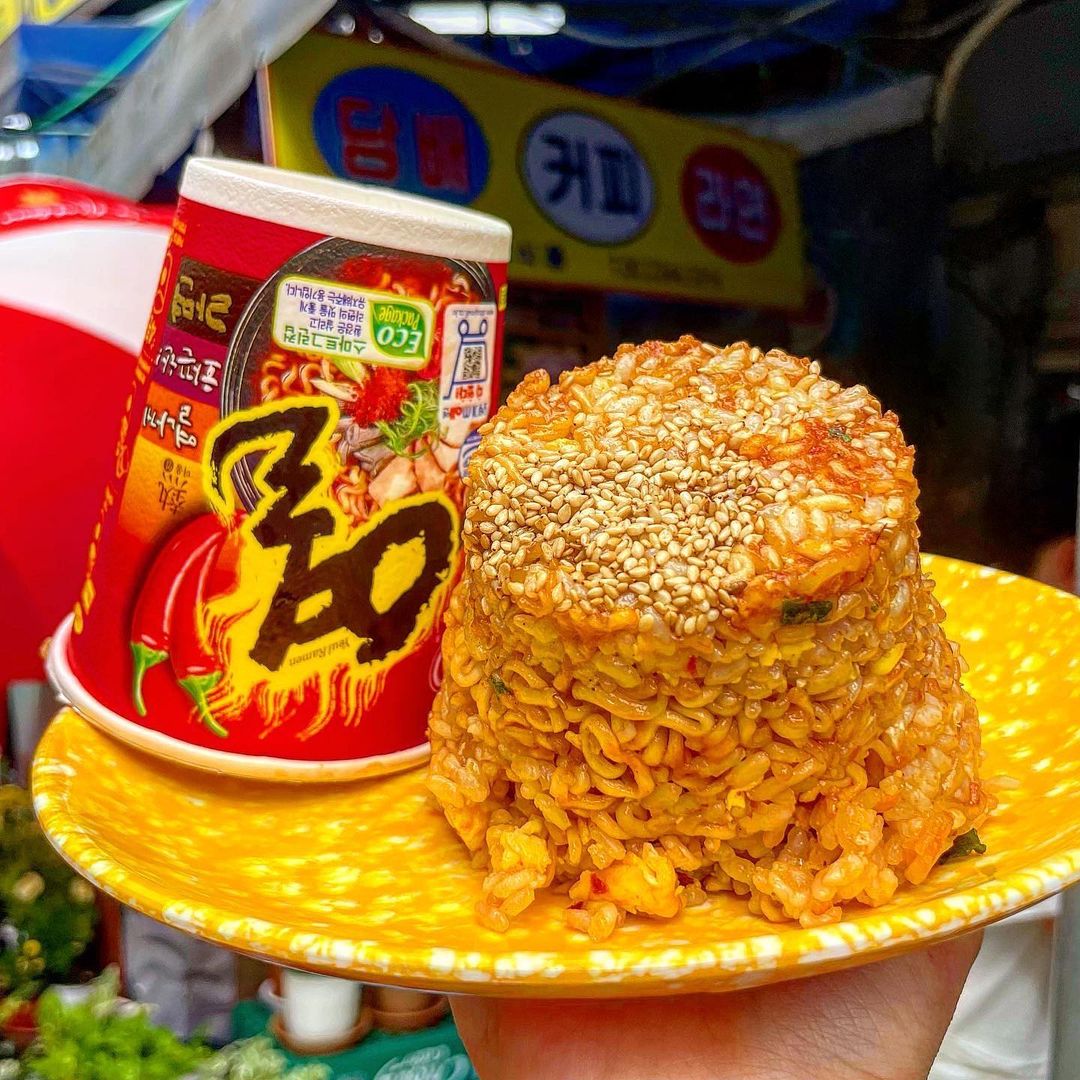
[{"x": 418, "y": 421}]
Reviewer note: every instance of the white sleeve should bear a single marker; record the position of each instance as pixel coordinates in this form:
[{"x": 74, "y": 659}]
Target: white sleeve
[{"x": 1001, "y": 1028}]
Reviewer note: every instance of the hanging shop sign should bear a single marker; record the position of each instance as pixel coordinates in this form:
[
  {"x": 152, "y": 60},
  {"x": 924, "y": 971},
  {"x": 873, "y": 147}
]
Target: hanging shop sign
[{"x": 601, "y": 193}]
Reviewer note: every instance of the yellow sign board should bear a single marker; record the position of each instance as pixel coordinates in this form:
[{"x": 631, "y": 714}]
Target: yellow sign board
[
  {"x": 10, "y": 17},
  {"x": 600, "y": 193},
  {"x": 14, "y": 12},
  {"x": 49, "y": 11}
]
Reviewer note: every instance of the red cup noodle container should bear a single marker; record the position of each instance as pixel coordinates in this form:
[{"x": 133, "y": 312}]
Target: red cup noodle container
[{"x": 266, "y": 581}]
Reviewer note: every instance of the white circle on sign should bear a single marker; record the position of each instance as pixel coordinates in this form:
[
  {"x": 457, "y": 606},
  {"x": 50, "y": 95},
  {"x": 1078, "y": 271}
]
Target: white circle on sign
[{"x": 587, "y": 178}]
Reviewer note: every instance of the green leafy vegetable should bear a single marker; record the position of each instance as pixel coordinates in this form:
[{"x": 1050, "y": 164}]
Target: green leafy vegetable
[
  {"x": 49, "y": 909},
  {"x": 257, "y": 1059},
  {"x": 92, "y": 1041},
  {"x": 796, "y": 612},
  {"x": 965, "y": 844},
  {"x": 352, "y": 369},
  {"x": 837, "y": 432},
  {"x": 499, "y": 686},
  {"x": 419, "y": 419}
]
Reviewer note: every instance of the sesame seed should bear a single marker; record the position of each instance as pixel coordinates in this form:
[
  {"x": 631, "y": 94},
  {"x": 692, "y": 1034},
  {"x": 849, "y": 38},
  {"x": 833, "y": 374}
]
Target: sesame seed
[{"x": 666, "y": 488}]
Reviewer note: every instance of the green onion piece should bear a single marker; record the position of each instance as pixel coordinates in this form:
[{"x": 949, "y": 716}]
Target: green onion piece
[
  {"x": 499, "y": 686},
  {"x": 419, "y": 419},
  {"x": 965, "y": 844},
  {"x": 796, "y": 612}
]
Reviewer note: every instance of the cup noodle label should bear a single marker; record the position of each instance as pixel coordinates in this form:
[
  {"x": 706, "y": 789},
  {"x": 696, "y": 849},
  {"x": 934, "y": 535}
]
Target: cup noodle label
[{"x": 277, "y": 542}]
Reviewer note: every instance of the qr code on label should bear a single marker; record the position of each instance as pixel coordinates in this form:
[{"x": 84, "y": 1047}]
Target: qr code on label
[{"x": 472, "y": 363}]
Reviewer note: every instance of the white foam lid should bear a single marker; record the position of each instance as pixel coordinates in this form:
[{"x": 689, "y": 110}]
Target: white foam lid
[{"x": 361, "y": 212}]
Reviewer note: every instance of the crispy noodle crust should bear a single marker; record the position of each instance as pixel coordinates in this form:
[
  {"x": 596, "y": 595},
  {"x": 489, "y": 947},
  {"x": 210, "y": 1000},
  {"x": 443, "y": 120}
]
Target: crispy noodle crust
[{"x": 693, "y": 649}]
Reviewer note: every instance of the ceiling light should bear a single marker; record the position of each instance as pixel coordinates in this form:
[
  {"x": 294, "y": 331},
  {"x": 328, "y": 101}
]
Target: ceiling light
[
  {"x": 532, "y": 19},
  {"x": 504, "y": 19},
  {"x": 456, "y": 19}
]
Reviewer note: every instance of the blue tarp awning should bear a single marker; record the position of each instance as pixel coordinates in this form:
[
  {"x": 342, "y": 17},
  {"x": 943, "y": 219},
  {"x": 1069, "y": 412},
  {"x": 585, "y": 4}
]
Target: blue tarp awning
[
  {"x": 46, "y": 64},
  {"x": 597, "y": 50}
]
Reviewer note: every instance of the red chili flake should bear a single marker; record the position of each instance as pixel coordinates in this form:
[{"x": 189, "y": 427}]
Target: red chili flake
[
  {"x": 684, "y": 877},
  {"x": 382, "y": 394},
  {"x": 363, "y": 270},
  {"x": 599, "y": 886},
  {"x": 691, "y": 665}
]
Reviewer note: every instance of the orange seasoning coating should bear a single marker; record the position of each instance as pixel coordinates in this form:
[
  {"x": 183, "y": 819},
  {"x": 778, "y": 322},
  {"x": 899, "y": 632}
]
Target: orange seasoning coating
[{"x": 694, "y": 650}]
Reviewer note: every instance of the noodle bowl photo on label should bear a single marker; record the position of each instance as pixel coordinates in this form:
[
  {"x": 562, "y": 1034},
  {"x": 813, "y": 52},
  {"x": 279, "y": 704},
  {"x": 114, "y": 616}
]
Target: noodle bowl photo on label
[{"x": 390, "y": 439}]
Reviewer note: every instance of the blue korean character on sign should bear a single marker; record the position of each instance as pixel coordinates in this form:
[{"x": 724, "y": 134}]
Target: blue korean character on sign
[{"x": 588, "y": 178}]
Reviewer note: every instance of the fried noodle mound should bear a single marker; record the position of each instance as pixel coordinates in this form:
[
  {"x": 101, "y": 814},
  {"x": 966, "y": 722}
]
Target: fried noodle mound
[{"x": 693, "y": 649}]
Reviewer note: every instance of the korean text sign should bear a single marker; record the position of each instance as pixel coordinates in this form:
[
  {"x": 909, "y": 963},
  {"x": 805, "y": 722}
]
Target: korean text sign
[{"x": 601, "y": 194}]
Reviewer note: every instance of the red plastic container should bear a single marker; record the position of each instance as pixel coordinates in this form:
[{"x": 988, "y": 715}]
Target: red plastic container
[{"x": 266, "y": 580}]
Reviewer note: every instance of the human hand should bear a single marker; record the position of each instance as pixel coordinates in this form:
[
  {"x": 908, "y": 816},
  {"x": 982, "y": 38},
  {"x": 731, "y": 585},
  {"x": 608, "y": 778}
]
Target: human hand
[{"x": 882, "y": 1021}]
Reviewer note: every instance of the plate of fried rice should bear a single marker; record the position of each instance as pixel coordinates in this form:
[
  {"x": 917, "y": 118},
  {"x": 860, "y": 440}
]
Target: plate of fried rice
[{"x": 708, "y": 719}]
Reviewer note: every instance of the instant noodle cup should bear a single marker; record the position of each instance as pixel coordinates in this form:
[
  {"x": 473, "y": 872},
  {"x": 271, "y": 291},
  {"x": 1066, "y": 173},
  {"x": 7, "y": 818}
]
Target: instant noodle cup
[{"x": 266, "y": 580}]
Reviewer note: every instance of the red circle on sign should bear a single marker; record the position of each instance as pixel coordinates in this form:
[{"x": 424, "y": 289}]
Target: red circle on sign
[{"x": 730, "y": 204}]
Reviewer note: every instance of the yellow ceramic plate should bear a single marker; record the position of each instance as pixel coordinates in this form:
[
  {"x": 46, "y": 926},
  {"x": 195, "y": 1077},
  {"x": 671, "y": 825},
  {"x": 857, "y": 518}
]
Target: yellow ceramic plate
[{"x": 367, "y": 880}]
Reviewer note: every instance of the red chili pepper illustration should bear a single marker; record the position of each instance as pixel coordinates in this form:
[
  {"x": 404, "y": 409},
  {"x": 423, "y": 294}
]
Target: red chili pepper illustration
[
  {"x": 195, "y": 667},
  {"x": 190, "y": 549}
]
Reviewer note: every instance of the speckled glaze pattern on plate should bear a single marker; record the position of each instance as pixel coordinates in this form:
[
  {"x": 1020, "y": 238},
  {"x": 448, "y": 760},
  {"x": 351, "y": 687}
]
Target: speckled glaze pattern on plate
[{"x": 367, "y": 880}]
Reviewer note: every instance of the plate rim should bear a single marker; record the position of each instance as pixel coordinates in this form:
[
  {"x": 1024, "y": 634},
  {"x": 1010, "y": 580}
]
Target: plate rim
[{"x": 725, "y": 965}]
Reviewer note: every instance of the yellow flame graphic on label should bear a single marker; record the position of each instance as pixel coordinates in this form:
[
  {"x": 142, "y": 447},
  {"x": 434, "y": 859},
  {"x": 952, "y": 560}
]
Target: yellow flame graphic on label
[{"x": 321, "y": 677}]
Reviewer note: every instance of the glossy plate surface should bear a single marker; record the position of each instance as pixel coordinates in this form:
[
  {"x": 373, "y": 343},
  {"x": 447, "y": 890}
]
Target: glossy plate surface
[{"x": 367, "y": 880}]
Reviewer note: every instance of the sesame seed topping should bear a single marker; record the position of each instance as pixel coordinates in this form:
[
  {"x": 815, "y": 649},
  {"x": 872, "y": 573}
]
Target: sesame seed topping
[{"x": 684, "y": 483}]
